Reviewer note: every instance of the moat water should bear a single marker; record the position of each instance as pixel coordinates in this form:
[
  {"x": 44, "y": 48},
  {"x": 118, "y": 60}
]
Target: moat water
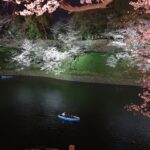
[{"x": 29, "y": 107}]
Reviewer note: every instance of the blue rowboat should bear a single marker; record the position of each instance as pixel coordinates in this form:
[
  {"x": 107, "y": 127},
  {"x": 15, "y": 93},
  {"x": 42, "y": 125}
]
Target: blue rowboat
[
  {"x": 69, "y": 118},
  {"x": 6, "y": 77}
]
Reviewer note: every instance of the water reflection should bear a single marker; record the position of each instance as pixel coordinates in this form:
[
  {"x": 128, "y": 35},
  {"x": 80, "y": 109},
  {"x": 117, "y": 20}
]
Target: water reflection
[
  {"x": 29, "y": 116},
  {"x": 47, "y": 101}
]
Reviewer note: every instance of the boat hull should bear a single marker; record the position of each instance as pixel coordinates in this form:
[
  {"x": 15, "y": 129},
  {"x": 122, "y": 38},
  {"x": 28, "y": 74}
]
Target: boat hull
[
  {"x": 6, "y": 77},
  {"x": 69, "y": 119}
]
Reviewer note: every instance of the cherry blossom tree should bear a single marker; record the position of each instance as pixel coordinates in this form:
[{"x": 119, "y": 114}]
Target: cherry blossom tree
[
  {"x": 141, "y": 4},
  {"x": 39, "y": 7},
  {"x": 141, "y": 56}
]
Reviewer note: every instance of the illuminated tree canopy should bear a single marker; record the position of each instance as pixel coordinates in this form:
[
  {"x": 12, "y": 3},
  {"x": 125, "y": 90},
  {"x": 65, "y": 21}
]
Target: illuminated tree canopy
[{"x": 39, "y": 7}]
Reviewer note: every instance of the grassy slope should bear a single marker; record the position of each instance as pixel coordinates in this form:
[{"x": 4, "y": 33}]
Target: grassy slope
[{"x": 94, "y": 64}]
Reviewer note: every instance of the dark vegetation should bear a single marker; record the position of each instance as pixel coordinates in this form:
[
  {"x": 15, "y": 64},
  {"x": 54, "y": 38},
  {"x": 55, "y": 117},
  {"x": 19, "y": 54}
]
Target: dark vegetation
[
  {"x": 32, "y": 27},
  {"x": 89, "y": 23},
  {"x": 5, "y": 54}
]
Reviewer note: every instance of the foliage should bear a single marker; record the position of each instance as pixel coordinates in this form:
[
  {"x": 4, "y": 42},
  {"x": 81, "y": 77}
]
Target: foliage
[
  {"x": 89, "y": 23},
  {"x": 122, "y": 6},
  {"x": 95, "y": 64},
  {"x": 33, "y": 31},
  {"x": 31, "y": 27},
  {"x": 5, "y": 55},
  {"x": 17, "y": 28},
  {"x": 46, "y": 58}
]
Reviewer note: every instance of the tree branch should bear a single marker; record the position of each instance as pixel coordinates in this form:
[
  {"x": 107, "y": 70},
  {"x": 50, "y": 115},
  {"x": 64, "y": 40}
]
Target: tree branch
[{"x": 68, "y": 7}]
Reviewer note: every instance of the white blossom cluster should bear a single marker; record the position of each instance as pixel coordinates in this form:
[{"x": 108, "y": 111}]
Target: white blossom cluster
[
  {"x": 24, "y": 58},
  {"x": 48, "y": 59},
  {"x": 68, "y": 38},
  {"x": 141, "y": 4},
  {"x": 52, "y": 59},
  {"x": 131, "y": 40},
  {"x": 113, "y": 60},
  {"x": 37, "y": 7}
]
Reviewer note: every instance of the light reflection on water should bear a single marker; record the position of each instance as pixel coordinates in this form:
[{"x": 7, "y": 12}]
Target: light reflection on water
[{"x": 26, "y": 100}]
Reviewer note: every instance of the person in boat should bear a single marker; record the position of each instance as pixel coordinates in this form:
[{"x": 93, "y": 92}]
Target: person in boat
[{"x": 66, "y": 115}]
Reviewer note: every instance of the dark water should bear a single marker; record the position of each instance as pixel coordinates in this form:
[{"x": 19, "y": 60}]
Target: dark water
[{"x": 29, "y": 108}]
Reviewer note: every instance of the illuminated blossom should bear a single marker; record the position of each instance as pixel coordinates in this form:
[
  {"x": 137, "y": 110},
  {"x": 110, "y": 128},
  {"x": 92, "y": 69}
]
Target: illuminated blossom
[
  {"x": 142, "y": 55},
  {"x": 141, "y": 4},
  {"x": 39, "y": 7}
]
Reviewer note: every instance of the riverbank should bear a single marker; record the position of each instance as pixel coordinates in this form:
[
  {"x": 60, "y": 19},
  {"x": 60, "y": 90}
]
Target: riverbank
[
  {"x": 95, "y": 66},
  {"x": 86, "y": 79}
]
